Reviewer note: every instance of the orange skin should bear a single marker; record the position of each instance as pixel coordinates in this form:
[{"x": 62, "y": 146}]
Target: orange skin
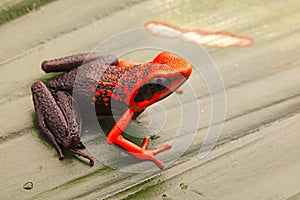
[{"x": 131, "y": 85}]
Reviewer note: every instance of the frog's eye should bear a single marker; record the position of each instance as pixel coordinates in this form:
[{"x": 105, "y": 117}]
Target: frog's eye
[
  {"x": 155, "y": 85},
  {"x": 159, "y": 83}
]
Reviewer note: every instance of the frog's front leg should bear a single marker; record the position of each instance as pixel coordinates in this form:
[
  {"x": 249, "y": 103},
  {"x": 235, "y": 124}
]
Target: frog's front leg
[
  {"x": 57, "y": 119},
  {"x": 115, "y": 137}
]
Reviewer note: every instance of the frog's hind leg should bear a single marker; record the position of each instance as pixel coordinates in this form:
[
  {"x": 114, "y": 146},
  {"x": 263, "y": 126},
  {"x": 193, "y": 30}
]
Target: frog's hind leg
[
  {"x": 74, "y": 121},
  {"x": 71, "y": 111},
  {"x": 76, "y": 151},
  {"x": 39, "y": 88},
  {"x": 68, "y": 63}
]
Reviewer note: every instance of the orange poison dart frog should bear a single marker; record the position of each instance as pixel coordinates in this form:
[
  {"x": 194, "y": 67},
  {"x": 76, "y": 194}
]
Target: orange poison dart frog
[{"x": 105, "y": 81}]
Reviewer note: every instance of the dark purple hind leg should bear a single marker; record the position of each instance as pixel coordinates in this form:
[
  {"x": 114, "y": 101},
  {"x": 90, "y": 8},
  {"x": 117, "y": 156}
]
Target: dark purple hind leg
[
  {"x": 68, "y": 63},
  {"x": 37, "y": 90}
]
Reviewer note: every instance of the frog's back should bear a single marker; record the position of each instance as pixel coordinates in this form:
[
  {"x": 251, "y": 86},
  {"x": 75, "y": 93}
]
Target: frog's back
[{"x": 103, "y": 86}]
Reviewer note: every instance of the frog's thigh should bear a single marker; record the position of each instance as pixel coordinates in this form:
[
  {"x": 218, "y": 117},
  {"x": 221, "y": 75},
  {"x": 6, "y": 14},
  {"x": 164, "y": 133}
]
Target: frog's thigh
[
  {"x": 40, "y": 95},
  {"x": 70, "y": 62}
]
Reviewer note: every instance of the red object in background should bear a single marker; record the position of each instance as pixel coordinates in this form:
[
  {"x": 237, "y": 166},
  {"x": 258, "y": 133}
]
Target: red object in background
[{"x": 218, "y": 39}]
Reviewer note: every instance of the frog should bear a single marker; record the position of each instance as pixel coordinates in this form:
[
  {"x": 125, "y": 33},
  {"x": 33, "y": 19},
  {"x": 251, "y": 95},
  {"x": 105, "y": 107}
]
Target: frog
[{"x": 103, "y": 81}]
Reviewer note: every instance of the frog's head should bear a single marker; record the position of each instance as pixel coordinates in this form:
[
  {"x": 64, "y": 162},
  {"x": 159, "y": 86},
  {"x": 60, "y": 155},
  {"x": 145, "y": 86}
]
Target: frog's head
[{"x": 158, "y": 79}]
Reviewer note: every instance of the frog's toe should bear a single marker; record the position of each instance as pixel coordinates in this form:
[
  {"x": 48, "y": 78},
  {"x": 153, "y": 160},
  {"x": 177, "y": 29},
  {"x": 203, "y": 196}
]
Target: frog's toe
[
  {"x": 179, "y": 91},
  {"x": 161, "y": 149},
  {"x": 75, "y": 151},
  {"x": 61, "y": 156},
  {"x": 149, "y": 154}
]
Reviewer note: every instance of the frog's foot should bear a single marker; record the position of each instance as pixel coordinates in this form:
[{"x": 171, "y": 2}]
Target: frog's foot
[
  {"x": 140, "y": 152},
  {"x": 83, "y": 155},
  {"x": 149, "y": 154}
]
